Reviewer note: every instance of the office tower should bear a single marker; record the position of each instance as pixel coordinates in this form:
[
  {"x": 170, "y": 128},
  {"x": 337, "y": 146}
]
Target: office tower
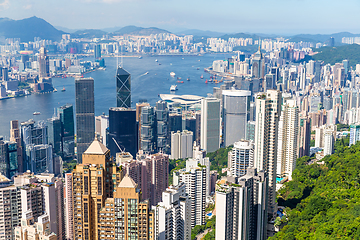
[
  {"x": 148, "y": 134},
  {"x": 123, "y": 88},
  {"x": 258, "y": 65},
  {"x": 69, "y": 208},
  {"x": 5, "y": 157},
  {"x": 268, "y": 107},
  {"x": 331, "y": 42},
  {"x": 345, "y": 63},
  {"x": 175, "y": 122},
  {"x": 5, "y": 74},
  {"x": 252, "y": 111},
  {"x": 40, "y": 158},
  {"x": 181, "y": 144},
  {"x": 66, "y": 115},
  {"x": 139, "y": 106},
  {"x": 236, "y": 113},
  {"x": 30, "y": 230},
  {"x": 315, "y": 102},
  {"x": 354, "y": 134},
  {"x": 210, "y": 124},
  {"x": 163, "y": 133},
  {"x": 122, "y": 131},
  {"x": 15, "y": 136},
  {"x": 54, "y": 134},
  {"x": 288, "y": 139},
  {"x": 195, "y": 182},
  {"x": 241, "y": 207},
  {"x": 91, "y": 194},
  {"x": 131, "y": 216},
  {"x": 97, "y": 51},
  {"x": 85, "y": 114},
  {"x": 270, "y": 82},
  {"x": 241, "y": 158},
  {"x": 302, "y": 82},
  {"x": 43, "y": 59},
  {"x": 250, "y": 131},
  {"x": 172, "y": 215},
  {"x": 101, "y": 128},
  {"x": 304, "y": 136}
]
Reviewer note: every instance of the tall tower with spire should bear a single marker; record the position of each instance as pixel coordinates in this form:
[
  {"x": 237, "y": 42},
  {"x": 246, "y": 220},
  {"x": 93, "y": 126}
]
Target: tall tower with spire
[{"x": 123, "y": 88}]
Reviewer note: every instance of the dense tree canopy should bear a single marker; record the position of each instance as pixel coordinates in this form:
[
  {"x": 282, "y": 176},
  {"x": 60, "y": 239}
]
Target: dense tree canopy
[{"x": 323, "y": 201}]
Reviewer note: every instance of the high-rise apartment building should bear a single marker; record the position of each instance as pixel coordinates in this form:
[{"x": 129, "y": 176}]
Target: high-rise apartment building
[
  {"x": 85, "y": 114},
  {"x": 268, "y": 110},
  {"x": 101, "y": 128},
  {"x": 241, "y": 207},
  {"x": 181, "y": 144},
  {"x": 130, "y": 215},
  {"x": 148, "y": 134},
  {"x": 10, "y": 207},
  {"x": 30, "y": 230},
  {"x": 123, "y": 131},
  {"x": 195, "y": 182},
  {"x": 236, "y": 114},
  {"x": 15, "y": 136},
  {"x": 123, "y": 88},
  {"x": 93, "y": 181},
  {"x": 288, "y": 139},
  {"x": 241, "y": 158},
  {"x": 172, "y": 216},
  {"x": 69, "y": 210},
  {"x": 354, "y": 134},
  {"x": 210, "y": 124},
  {"x": 304, "y": 136}
]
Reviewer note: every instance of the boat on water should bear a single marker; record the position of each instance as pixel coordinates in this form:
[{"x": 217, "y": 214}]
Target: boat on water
[
  {"x": 63, "y": 89},
  {"x": 179, "y": 78},
  {"x": 156, "y": 60},
  {"x": 36, "y": 113},
  {"x": 188, "y": 79},
  {"x": 179, "y": 81},
  {"x": 102, "y": 68},
  {"x": 172, "y": 74},
  {"x": 197, "y": 68},
  {"x": 173, "y": 88},
  {"x": 146, "y": 73},
  {"x": 140, "y": 57},
  {"x": 201, "y": 76},
  {"x": 159, "y": 63},
  {"x": 55, "y": 90}
]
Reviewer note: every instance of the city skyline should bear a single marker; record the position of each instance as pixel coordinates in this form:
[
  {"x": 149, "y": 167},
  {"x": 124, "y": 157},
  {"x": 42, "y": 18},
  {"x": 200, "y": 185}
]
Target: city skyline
[{"x": 264, "y": 17}]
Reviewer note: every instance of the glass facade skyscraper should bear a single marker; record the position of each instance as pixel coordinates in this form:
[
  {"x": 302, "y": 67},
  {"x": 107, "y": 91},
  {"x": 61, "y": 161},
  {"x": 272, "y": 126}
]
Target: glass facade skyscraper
[
  {"x": 66, "y": 114},
  {"x": 123, "y": 128},
  {"x": 85, "y": 114},
  {"x": 123, "y": 88}
]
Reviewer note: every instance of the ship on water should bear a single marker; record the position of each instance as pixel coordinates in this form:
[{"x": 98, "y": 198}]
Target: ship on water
[{"x": 173, "y": 88}]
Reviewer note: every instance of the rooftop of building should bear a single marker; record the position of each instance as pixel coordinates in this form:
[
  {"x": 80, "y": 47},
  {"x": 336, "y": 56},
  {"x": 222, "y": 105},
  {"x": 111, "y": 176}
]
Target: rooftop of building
[
  {"x": 96, "y": 147},
  {"x": 182, "y": 99},
  {"x": 127, "y": 182}
]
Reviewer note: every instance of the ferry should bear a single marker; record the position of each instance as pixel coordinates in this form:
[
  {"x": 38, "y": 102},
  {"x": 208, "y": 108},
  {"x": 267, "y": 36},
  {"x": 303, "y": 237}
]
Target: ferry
[
  {"x": 36, "y": 113},
  {"x": 63, "y": 90},
  {"x": 146, "y": 73},
  {"x": 173, "y": 88},
  {"x": 179, "y": 78},
  {"x": 55, "y": 90},
  {"x": 172, "y": 74}
]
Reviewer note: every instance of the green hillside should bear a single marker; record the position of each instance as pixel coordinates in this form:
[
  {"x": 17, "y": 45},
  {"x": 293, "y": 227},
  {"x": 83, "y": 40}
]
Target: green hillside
[
  {"x": 334, "y": 55},
  {"x": 323, "y": 201}
]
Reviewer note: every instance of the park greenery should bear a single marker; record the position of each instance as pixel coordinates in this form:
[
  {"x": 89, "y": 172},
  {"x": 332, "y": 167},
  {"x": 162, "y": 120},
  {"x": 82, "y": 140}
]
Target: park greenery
[
  {"x": 219, "y": 159},
  {"x": 323, "y": 200}
]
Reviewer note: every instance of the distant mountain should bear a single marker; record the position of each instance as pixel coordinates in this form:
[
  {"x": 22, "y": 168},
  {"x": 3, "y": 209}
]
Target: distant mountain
[
  {"x": 322, "y": 37},
  {"x": 88, "y": 33},
  {"x": 110, "y": 29},
  {"x": 240, "y": 35},
  {"x": 67, "y": 30},
  {"x": 334, "y": 55},
  {"x": 197, "y": 32},
  {"x": 134, "y": 30},
  {"x": 28, "y": 28}
]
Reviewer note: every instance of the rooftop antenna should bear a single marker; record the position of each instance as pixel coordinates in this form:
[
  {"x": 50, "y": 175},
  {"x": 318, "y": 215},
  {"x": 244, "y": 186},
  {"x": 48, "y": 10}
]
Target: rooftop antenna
[
  {"x": 118, "y": 145},
  {"x": 121, "y": 55}
]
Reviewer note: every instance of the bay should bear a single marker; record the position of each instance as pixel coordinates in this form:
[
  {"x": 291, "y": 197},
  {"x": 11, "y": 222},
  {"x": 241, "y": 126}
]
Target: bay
[{"x": 144, "y": 86}]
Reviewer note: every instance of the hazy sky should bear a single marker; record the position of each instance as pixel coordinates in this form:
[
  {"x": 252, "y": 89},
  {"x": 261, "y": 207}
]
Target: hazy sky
[{"x": 255, "y": 16}]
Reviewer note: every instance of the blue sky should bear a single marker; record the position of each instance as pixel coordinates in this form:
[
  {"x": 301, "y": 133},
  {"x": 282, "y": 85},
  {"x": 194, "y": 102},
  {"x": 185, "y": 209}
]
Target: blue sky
[{"x": 254, "y": 16}]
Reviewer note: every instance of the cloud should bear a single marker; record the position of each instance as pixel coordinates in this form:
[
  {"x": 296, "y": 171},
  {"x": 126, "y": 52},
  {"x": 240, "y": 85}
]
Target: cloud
[
  {"x": 29, "y": 6},
  {"x": 4, "y": 4}
]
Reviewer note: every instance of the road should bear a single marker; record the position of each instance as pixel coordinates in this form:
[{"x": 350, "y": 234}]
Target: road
[{"x": 201, "y": 235}]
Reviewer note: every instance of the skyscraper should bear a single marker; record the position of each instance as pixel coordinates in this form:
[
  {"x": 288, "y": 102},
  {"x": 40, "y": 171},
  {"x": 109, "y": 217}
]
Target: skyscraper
[
  {"x": 241, "y": 158},
  {"x": 236, "y": 114},
  {"x": 66, "y": 115},
  {"x": 163, "y": 132},
  {"x": 268, "y": 110},
  {"x": 91, "y": 194},
  {"x": 43, "y": 60},
  {"x": 288, "y": 139},
  {"x": 241, "y": 207},
  {"x": 15, "y": 136},
  {"x": 54, "y": 135},
  {"x": 181, "y": 144},
  {"x": 123, "y": 88},
  {"x": 210, "y": 124},
  {"x": 304, "y": 136},
  {"x": 123, "y": 129},
  {"x": 148, "y": 134},
  {"x": 85, "y": 114},
  {"x": 354, "y": 134}
]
